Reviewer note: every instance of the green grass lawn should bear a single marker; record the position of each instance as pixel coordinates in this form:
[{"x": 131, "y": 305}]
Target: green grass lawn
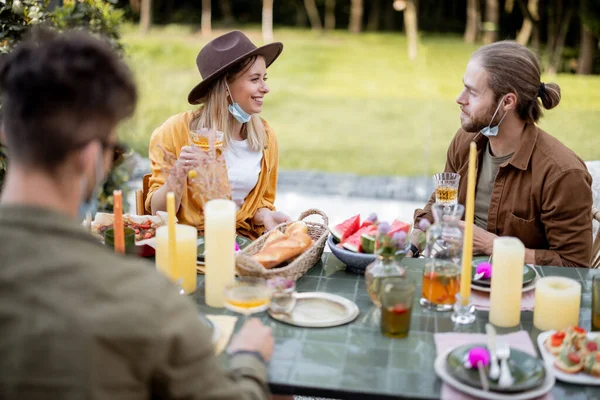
[{"x": 348, "y": 103}]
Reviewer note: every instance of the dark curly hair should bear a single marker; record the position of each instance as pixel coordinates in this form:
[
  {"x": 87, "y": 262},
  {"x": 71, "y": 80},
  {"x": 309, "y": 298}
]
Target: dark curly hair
[{"x": 60, "y": 91}]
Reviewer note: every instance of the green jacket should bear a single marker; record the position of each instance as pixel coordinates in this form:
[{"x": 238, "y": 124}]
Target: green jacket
[{"x": 79, "y": 322}]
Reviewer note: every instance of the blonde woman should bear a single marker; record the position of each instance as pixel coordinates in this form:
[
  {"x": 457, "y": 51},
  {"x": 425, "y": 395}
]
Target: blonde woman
[{"x": 231, "y": 97}]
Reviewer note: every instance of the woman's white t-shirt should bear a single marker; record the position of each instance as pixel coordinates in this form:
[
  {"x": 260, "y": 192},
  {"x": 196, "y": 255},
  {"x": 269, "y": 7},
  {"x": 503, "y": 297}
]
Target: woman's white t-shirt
[{"x": 243, "y": 169}]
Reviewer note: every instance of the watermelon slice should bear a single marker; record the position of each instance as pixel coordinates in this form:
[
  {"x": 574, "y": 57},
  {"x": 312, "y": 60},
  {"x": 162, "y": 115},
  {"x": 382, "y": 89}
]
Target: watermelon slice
[
  {"x": 346, "y": 229},
  {"x": 353, "y": 242},
  {"x": 398, "y": 226}
]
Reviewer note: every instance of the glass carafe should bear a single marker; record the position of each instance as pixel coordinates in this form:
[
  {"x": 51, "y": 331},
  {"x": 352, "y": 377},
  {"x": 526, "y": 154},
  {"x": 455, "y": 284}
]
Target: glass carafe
[
  {"x": 443, "y": 252},
  {"x": 386, "y": 265}
]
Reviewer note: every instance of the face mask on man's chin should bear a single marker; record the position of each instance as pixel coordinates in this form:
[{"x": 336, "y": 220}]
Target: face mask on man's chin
[
  {"x": 89, "y": 201},
  {"x": 492, "y": 131}
]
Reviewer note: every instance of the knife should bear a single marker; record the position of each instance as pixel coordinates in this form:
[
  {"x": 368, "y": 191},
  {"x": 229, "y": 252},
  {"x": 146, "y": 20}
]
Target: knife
[{"x": 491, "y": 337}]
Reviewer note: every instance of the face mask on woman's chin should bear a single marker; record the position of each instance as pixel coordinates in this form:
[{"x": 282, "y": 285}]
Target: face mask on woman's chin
[
  {"x": 236, "y": 110},
  {"x": 89, "y": 205}
]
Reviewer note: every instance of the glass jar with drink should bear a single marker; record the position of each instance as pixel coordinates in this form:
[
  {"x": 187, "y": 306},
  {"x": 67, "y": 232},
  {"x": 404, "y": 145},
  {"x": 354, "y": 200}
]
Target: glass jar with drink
[{"x": 441, "y": 275}]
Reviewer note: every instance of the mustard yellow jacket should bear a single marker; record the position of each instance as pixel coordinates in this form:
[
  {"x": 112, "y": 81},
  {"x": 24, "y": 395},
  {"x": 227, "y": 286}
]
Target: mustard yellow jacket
[{"x": 172, "y": 136}]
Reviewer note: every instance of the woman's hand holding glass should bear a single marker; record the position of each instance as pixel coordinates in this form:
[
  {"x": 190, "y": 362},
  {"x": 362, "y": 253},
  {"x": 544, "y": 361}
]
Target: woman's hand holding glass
[{"x": 190, "y": 159}]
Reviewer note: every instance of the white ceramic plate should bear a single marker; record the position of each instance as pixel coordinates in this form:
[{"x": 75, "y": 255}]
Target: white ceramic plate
[
  {"x": 527, "y": 288},
  {"x": 319, "y": 310},
  {"x": 580, "y": 378},
  {"x": 440, "y": 369}
]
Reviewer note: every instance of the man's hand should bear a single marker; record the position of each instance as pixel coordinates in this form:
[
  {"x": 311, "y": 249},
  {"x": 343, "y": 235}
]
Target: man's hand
[
  {"x": 253, "y": 336},
  {"x": 483, "y": 241}
]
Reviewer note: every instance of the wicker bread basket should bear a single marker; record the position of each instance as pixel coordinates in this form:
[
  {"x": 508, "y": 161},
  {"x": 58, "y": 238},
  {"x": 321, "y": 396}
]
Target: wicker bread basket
[{"x": 247, "y": 266}]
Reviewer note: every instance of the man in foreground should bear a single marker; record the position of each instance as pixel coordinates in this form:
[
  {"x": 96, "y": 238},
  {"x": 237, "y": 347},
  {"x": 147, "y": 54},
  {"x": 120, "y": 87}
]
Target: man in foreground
[{"x": 78, "y": 321}]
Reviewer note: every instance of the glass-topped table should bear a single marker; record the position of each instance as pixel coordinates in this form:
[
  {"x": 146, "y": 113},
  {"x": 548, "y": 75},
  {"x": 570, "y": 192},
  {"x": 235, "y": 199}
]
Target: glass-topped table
[{"x": 356, "y": 361}]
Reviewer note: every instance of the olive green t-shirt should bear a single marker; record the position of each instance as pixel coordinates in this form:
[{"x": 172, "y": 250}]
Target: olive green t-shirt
[{"x": 485, "y": 185}]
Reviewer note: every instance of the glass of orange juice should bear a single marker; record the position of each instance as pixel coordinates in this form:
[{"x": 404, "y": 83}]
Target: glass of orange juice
[
  {"x": 247, "y": 295},
  {"x": 204, "y": 136}
]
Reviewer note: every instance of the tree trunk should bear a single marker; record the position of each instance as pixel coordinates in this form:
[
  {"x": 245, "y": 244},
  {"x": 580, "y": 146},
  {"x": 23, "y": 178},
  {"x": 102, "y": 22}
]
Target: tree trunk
[
  {"x": 374, "y": 15},
  {"x": 226, "y": 11},
  {"x": 473, "y": 21},
  {"x": 492, "y": 19},
  {"x": 313, "y": 15},
  {"x": 146, "y": 16},
  {"x": 411, "y": 28},
  {"x": 530, "y": 21},
  {"x": 356, "y": 14},
  {"x": 135, "y": 6},
  {"x": 301, "y": 17},
  {"x": 329, "y": 15},
  {"x": 267, "y": 21},
  {"x": 389, "y": 14},
  {"x": 588, "y": 46},
  {"x": 205, "y": 27},
  {"x": 561, "y": 20}
]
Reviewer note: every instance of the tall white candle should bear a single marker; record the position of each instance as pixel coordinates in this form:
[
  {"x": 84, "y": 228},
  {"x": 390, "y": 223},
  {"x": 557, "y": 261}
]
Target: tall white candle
[
  {"x": 507, "y": 281},
  {"x": 219, "y": 236},
  {"x": 557, "y": 302}
]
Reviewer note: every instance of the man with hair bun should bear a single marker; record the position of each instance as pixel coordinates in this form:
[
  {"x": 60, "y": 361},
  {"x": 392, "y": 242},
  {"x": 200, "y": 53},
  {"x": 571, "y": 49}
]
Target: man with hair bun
[{"x": 529, "y": 184}]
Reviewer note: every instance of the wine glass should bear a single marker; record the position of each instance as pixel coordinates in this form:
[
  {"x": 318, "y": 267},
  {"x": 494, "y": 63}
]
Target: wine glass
[
  {"x": 446, "y": 188},
  {"x": 247, "y": 295}
]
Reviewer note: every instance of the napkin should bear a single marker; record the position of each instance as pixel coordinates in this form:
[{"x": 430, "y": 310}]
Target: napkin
[
  {"x": 225, "y": 324},
  {"x": 481, "y": 300},
  {"x": 443, "y": 341}
]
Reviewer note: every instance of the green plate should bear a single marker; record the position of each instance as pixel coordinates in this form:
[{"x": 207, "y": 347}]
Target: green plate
[
  {"x": 528, "y": 371},
  {"x": 241, "y": 241},
  {"x": 528, "y": 272}
]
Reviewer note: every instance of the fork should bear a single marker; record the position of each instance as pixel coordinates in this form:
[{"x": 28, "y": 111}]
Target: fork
[{"x": 503, "y": 353}]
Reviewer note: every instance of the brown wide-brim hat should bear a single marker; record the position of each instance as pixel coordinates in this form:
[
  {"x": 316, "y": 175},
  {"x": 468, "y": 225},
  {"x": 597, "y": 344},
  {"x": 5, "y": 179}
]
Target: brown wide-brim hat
[{"x": 222, "y": 53}]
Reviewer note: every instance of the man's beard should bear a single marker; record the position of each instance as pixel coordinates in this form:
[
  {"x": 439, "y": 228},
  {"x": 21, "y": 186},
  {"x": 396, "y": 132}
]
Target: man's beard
[{"x": 476, "y": 124}]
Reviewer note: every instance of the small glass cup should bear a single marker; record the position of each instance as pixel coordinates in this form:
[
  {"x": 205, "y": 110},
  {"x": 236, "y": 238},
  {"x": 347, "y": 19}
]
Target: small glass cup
[
  {"x": 202, "y": 138},
  {"x": 109, "y": 240},
  {"x": 446, "y": 187},
  {"x": 247, "y": 295},
  {"x": 596, "y": 303},
  {"x": 397, "y": 297},
  {"x": 283, "y": 295}
]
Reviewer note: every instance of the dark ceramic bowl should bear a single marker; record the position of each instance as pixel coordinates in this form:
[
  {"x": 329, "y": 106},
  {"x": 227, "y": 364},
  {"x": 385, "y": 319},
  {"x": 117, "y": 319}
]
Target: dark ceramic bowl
[{"x": 355, "y": 262}]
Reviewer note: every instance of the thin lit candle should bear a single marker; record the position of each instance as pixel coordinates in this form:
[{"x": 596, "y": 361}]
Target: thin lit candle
[
  {"x": 118, "y": 226},
  {"x": 172, "y": 238},
  {"x": 467, "y": 256}
]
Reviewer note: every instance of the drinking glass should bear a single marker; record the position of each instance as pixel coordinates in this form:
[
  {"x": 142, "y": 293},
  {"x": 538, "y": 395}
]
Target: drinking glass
[
  {"x": 202, "y": 138},
  {"x": 283, "y": 296},
  {"x": 247, "y": 295},
  {"x": 596, "y": 303},
  {"x": 397, "y": 297},
  {"x": 109, "y": 240},
  {"x": 446, "y": 187},
  {"x": 183, "y": 274}
]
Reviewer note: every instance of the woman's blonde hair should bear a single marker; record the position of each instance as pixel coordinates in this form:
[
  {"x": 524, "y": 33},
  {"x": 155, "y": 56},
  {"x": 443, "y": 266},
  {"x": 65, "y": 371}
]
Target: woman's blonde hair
[{"x": 214, "y": 113}]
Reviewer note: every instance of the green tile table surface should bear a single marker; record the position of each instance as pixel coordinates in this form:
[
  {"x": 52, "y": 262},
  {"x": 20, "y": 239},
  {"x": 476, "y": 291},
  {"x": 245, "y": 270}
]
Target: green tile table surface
[{"x": 356, "y": 361}]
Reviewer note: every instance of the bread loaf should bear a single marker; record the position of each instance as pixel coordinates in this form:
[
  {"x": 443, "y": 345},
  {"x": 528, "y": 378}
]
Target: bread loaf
[
  {"x": 296, "y": 227},
  {"x": 283, "y": 248}
]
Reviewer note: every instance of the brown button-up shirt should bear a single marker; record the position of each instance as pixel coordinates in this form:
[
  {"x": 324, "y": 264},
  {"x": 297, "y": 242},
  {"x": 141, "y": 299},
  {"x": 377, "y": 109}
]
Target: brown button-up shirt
[
  {"x": 79, "y": 322},
  {"x": 542, "y": 196}
]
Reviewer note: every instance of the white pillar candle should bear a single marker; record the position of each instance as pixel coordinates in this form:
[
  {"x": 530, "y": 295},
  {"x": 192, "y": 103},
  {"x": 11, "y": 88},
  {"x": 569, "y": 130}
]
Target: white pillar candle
[
  {"x": 507, "y": 281},
  {"x": 557, "y": 302},
  {"x": 219, "y": 237}
]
